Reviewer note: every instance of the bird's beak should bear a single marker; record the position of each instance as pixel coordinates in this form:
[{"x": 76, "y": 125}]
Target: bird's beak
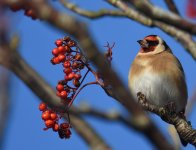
[{"x": 143, "y": 43}]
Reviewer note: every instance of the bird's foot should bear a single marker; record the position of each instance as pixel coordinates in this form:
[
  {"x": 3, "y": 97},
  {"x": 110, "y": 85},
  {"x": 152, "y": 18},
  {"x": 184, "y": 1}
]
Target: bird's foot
[{"x": 171, "y": 108}]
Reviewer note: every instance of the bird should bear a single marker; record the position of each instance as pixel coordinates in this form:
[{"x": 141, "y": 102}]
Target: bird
[{"x": 158, "y": 74}]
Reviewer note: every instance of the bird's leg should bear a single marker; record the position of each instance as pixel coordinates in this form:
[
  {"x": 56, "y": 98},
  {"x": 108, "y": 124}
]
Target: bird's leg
[{"x": 171, "y": 108}]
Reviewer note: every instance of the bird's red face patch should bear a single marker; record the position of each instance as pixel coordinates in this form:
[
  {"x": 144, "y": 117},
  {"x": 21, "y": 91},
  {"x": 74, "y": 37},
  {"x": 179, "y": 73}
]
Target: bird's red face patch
[
  {"x": 151, "y": 38},
  {"x": 152, "y": 43}
]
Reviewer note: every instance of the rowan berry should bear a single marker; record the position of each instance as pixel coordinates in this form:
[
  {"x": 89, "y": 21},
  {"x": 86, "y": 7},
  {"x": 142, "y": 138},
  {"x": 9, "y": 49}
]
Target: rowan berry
[
  {"x": 61, "y": 49},
  {"x": 67, "y": 71},
  {"x": 58, "y": 42},
  {"x": 77, "y": 56},
  {"x": 53, "y": 116},
  {"x": 71, "y": 43},
  {"x": 67, "y": 48},
  {"x": 61, "y": 57},
  {"x": 63, "y": 94},
  {"x": 67, "y": 133},
  {"x": 46, "y": 115},
  {"x": 71, "y": 75},
  {"x": 30, "y": 13},
  {"x": 60, "y": 87},
  {"x": 55, "y": 51},
  {"x": 49, "y": 123},
  {"x": 77, "y": 76},
  {"x": 56, "y": 60},
  {"x": 42, "y": 106},
  {"x": 55, "y": 127},
  {"x": 66, "y": 64},
  {"x": 64, "y": 125},
  {"x": 76, "y": 83}
]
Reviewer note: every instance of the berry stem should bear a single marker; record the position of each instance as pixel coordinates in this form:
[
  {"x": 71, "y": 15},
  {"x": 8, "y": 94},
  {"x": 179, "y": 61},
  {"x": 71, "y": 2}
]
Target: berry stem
[{"x": 75, "y": 95}]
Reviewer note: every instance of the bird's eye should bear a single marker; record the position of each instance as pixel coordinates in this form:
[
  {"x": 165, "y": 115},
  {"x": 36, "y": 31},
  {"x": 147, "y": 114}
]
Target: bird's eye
[{"x": 153, "y": 43}]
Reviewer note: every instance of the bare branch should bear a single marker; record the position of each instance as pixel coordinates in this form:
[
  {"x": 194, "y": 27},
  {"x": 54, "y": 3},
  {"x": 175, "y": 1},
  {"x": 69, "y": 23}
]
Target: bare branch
[
  {"x": 184, "y": 129},
  {"x": 183, "y": 37},
  {"x": 167, "y": 17},
  {"x": 172, "y": 7},
  {"x": 4, "y": 103},
  {"x": 91, "y": 14},
  {"x": 107, "y": 116}
]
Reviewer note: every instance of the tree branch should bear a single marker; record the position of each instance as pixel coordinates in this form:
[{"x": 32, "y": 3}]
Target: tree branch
[
  {"x": 158, "y": 13},
  {"x": 91, "y": 14},
  {"x": 4, "y": 103},
  {"x": 184, "y": 38},
  {"x": 184, "y": 129},
  {"x": 107, "y": 116},
  {"x": 172, "y": 7}
]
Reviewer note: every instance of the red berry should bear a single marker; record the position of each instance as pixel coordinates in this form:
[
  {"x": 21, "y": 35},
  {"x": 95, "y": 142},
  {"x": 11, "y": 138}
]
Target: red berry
[
  {"x": 75, "y": 65},
  {"x": 49, "y": 123},
  {"x": 63, "y": 94},
  {"x": 61, "y": 49},
  {"x": 66, "y": 64},
  {"x": 61, "y": 57},
  {"x": 53, "y": 116},
  {"x": 77, "y": 56},
  {"x": 67, "y": 133},
  {"x": 76, "y": 83},
  {"x": 58, "y": 42},
  {"x": 65, "y": 125},
  {"x": 67, "y": 48},
  {"x": 60, "y": 87},
  {"x": 77, "y": 76},
  {"x": 71, "y": 43},
  {"x": 67, "y": 71},
  {"x": 67, "y": 78},
  {"x": 55, "y": 127},
  {"x": 56, "y": 60},
  {"x": 71, "y": 75},
  {"x": 55, "y": 51},
  {"x": 42, "y": 106},
  {"x": 30, "y": 13},
  {"x": 46, "y": 115}
]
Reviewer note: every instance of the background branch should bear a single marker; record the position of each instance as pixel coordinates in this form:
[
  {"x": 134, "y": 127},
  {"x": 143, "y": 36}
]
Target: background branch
[{"x": 172, "y": 7}]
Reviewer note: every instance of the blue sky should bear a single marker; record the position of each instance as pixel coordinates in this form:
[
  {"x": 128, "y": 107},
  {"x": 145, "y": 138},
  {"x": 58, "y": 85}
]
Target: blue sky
[{"x": 24, "y": 130}]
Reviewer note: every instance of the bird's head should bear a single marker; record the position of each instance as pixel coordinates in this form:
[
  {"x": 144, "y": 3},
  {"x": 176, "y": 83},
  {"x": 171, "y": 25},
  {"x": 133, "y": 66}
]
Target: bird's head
[{"x": 152, "y": 44}]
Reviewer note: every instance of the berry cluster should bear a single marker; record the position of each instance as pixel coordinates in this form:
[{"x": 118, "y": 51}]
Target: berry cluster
[
  {"x": 28, "y": 12},
  {"x": 69, "y": 55},
  {"x": 51, "y": 119}
]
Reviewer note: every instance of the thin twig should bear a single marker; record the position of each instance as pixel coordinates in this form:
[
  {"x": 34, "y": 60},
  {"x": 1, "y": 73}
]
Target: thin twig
[
  {"x": 172, "y": 7},
  {"x": 91, "y": 14}
]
